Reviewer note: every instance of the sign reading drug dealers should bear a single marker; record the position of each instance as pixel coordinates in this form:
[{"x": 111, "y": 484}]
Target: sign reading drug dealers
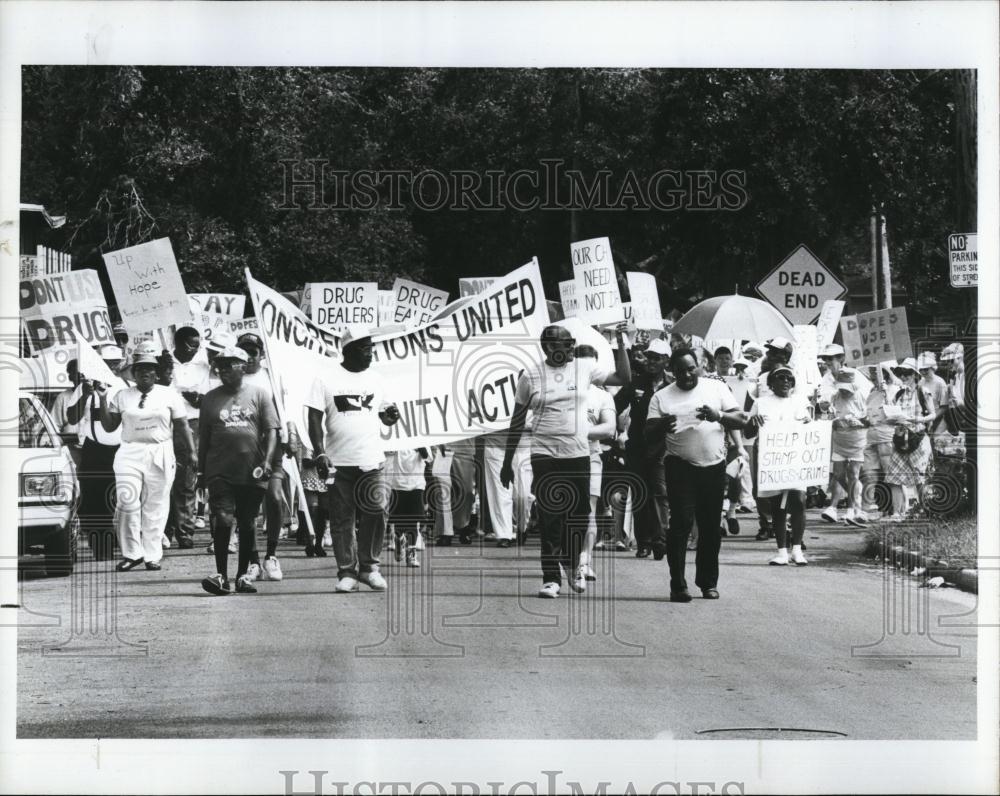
[
  {"x": 63, "y": 309},
  {"x": 417, "y": 304},
  {"x": 337, "y": 305}
]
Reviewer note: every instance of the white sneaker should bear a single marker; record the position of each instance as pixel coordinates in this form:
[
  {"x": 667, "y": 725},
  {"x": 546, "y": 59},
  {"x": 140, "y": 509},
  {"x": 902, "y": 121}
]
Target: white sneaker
[
  {"x": 599, "y": 544},
  {"x": 375, "y": 581},
  {"x": 620, "y": 546},
  {"x": 211, "y": 548},
  {"x": 253, "y": 572},
  {"x": 199, "y": 523},
  {"x": 830, "y": 514},
  {"x": 780, "y": 560},
  {"x": 579, "y": 582},
  {"x": 588, "y": 572},
  {"x": 327, "y": 539},
  {"x": 272, "y": 569},
  {"x": 346, "y": 584},
  {"x": 166, "y": 543},
  {"x": 420, "y": 542},
  {"x": 412, "y": 559},
  {"x": 550, "y": 590},
  {"x": 391, "y": 544},
  {"x": 798, "y": 557},
  {"x": 234, "y": 543}
]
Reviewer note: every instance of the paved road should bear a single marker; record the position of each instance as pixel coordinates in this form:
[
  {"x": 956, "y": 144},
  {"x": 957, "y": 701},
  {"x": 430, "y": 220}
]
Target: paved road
[{"x": 463, "y": 648}]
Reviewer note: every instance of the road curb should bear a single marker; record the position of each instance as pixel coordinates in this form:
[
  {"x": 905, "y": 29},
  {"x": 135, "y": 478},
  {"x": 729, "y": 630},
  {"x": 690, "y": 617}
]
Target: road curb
[{"x": 901, "y": 558}]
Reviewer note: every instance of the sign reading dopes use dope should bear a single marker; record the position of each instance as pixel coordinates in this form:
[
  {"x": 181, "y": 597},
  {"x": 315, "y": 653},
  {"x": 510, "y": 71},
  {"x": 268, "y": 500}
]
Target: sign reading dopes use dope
[
  {"x": 148, "y": 286},
  {"x": 799, "y": 285},
  {"x": 871, "y": 338},
  {"x": 337, "y": 305},
  {"x": 596, "y": 285},
  {"x": 793, "y": 455},
  {"x": 963, "y": 257}
]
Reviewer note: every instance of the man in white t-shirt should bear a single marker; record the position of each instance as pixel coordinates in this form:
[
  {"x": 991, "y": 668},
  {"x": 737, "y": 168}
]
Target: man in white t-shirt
[
  {"x": 352, "y": 400},
  {"x": 191, "y": 379},
  {"x": 694, "y": 414},
  {"x": 556, "y": 392}
]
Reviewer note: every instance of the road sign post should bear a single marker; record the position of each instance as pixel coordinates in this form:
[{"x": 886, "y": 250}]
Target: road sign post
[{"x": 799, "y": 285}]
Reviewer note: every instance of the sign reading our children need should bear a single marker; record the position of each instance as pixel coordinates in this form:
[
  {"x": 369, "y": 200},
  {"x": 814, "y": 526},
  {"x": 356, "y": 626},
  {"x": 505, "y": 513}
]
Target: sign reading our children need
[{"x": 597, "y": 291}]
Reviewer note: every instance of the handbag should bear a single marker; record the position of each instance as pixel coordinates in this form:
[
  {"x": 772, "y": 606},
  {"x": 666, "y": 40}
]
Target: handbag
[{"x": 905, "y": 439}]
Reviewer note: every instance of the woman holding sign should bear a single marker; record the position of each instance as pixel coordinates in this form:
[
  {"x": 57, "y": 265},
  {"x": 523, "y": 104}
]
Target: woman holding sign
[{"x": 783, "y": 405}]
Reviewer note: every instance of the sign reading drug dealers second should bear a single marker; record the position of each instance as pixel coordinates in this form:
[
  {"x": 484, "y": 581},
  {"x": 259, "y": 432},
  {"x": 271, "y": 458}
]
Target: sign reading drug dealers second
[{"x": 799, "y": 285}]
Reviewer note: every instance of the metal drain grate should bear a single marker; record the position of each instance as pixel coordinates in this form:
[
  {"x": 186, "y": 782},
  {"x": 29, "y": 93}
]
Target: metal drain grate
[{"x": 768, "y": 733}]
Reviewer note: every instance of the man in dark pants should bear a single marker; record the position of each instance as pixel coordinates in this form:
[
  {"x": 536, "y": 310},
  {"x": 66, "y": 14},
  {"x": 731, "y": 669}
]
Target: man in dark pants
[
  {"x": 644, "y": 462},
  {"x": 351, "y": 398},
  {"x": 694, "y": 414},
  {"x": 556, "y": 392}
]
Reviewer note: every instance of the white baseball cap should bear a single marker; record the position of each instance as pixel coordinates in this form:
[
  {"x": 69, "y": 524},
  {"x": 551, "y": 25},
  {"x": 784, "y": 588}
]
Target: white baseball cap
[{"x": 352, "y": 334}]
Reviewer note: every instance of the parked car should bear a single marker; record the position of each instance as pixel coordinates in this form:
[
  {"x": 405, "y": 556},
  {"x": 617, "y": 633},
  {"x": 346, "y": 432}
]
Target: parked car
[{"x": 48, "y": 491}]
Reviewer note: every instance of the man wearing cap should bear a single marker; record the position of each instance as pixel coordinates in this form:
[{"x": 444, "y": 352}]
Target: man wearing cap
[
  {"x": 644, "y": 460},
  {"x": 351, "y": 399},
  {"x": 191, "y": 380},
  {"x": 752, "y": 353},
  {"x": 275, "y": 496},
  {"x": 849, "y": 439},
  {"x": 238, "y": 428},
  {"x": 833, "y": 357},
  {"x": 97, "y": 460}
]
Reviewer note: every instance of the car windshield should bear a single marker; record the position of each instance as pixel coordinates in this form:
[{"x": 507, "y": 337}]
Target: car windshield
[{"x": 33, "y": 432}]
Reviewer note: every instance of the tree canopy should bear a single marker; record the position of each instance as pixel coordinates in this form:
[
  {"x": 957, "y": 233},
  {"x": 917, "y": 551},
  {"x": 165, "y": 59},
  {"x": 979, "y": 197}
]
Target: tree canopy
[{"x": 201, "y": 155}]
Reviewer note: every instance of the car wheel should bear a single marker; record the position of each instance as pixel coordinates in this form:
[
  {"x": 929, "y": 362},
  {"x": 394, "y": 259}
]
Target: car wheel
[{"x": 60, "y": 550}]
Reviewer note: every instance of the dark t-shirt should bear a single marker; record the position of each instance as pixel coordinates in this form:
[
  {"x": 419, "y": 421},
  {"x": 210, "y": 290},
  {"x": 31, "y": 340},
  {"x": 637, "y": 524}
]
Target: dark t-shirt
[{"x": 236, "y": 424}]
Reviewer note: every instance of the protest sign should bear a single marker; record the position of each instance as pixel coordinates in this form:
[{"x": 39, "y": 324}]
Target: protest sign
[
  {"x": 805, "y": 354},
  {"x": 92, "y": 366},
  {"x": 164, "y": 339},
  {"x": 416, "y": 304},
  {"x": 871, "y": 338},
  {"x": 451, "y": 378},
  {"x": 46, "y": 371},
  {"x": 231, "y": 304},
  {"x": 596, "y": 283},
  {"x": 645, "y": 300},
  {"x": 826, "y": 326},
  {"x": 567, "y": 296},
  {"x": 62, "y": 309},
  {"x": 148, "y": 286},
  {"x": 244, "y": 326},
  {"x": 305, "y": 299},
  {"x": 793, "y": 455},
  {"x": 210, "y": 324},
  {"x": 473, "y": 286},
  {"x": 386, "y": 307},
  {"x": 337, "y": 305}
]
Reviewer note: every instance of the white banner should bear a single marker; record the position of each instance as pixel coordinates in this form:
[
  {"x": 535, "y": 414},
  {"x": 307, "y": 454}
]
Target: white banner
[
  {"x": 231, "y": 304},
  {"x": 62, "y": 309},
  {"x": 645, "y": 301},
  {"x": 148, "y": 286},
  {"x": 416, "y": 304},
  {"x": 451, "y": 379},
  {"x": 90, "y": 365},
  {"x": 337, "y": 305},
  {"x": 596, "y": 284},
  {"x": 793, "y": 455}
]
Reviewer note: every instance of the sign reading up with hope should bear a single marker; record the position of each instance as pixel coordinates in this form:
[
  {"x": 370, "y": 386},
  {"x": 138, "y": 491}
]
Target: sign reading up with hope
[
  {"x": 793, "y": 455},
  {"x": 148, "y": 286},
  {"x": 596, "y": 285},
  {"x": 416, "y": 304},
  {"x": 337, "y": 305},
  {"x": 871, "y": 338},
  {"x": 799, "y": 285}
]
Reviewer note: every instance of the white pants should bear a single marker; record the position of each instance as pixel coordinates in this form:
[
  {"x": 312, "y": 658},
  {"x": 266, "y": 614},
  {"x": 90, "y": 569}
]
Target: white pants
[
  {"x": 523, "y": 480},
  {"x": 144, "y": 473},
  {"x": 441, "y": 496},
  {"x": 500, "y": 500}
]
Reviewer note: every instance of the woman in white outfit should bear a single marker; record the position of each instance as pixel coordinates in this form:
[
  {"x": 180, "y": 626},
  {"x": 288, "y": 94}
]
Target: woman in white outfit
[{"x": 149, "y": 414}]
